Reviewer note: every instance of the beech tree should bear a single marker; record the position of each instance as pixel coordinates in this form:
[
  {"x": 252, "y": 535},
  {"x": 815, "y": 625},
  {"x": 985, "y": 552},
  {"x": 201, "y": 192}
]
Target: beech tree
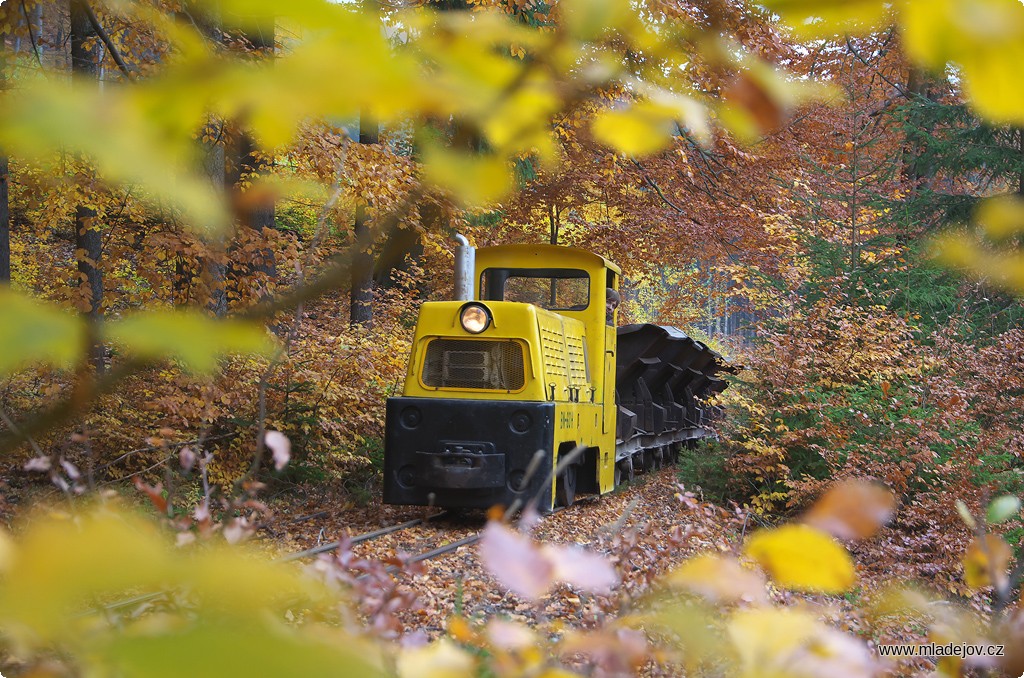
[{"x": 85, "y": 67}]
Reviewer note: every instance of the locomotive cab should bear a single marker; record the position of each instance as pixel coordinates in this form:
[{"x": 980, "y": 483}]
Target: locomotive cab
[{"x": 501, "y": 386}]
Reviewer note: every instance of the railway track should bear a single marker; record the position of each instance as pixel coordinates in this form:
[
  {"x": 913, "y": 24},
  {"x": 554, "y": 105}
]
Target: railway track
[{"x": 362, "y": 538}]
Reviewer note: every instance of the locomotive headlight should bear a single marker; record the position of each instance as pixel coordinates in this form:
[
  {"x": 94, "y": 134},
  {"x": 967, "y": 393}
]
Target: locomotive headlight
[{"x": 474, "y": 318}]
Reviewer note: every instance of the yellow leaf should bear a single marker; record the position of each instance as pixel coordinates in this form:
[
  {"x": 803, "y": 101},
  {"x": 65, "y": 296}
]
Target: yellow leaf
[
  {"x": 1001, "y": 217},
  {"x": 64, "y": 565},
  {"x": 984, "y": 560},
  {"x": 985, "y": 38},
  {"x": 640, "y": 130},
  {"x": 802, "y": 558},
  {"x": 476, "y": 179},
  {"x": 587, "y": 19},
  {"x": 31, "y": 331},
  {"x": 960, "y": 250},
  {"x": 460, "y": 630},
  {"x": 132, "y": 135},
  {"x": 6, "y": 551},
  {"x": 250, "y": 647},
  {"x": 189, "y": 336}
]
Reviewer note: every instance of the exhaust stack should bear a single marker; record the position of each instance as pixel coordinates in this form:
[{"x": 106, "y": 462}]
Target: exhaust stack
[{"x": 465, "y": 263}]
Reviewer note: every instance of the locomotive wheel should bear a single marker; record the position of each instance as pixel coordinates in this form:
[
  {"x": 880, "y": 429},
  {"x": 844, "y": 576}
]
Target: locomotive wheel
[
  {"x": 565, "y": 486},
  {"x": 659, "y": 458},
  {"x": 624, "y": 471},
  {"x": 649, "y": 460}
]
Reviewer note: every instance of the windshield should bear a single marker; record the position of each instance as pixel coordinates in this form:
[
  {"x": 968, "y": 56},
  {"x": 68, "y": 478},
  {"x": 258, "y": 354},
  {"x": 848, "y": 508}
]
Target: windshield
[{"x": 556, "y": 289}]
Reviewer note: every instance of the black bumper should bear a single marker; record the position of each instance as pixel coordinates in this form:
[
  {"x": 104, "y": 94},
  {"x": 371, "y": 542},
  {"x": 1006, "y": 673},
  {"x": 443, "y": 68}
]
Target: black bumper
[{"x": 465, "y": 453}]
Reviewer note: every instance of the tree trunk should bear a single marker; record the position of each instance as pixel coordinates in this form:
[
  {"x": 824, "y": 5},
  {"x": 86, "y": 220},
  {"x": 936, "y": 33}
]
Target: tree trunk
[
  {"x": 5, "y": 204},
  {"x": 915, "y": 167},
  {"x": 361, "y": 307},
  {"x": 1020, "y": 150},
  {"x": 553, "y": 222},
  {"x": 243, "y": 163},
  {"x": 206, "y": 18},
  {"x": 88, "y": 243},
  {"x": 5, "y": 224}
]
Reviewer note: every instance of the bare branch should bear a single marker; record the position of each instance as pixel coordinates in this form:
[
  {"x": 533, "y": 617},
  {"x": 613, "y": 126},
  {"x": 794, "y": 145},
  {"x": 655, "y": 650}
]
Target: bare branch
[{"x": 111, "y": 47}]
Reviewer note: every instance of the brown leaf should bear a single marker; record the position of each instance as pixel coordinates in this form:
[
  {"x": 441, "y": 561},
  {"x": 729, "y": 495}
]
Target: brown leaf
[
  {"x": 747, "y": 93},
  {"x": 154, "y": 492}
]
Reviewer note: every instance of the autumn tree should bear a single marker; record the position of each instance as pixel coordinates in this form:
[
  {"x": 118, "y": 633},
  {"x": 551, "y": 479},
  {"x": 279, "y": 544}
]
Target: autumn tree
[{"x": 85, "y": 59}]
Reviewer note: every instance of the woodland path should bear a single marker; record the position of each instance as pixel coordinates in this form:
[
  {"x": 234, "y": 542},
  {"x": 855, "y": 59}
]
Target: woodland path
[{"x": 634, "y": 525}]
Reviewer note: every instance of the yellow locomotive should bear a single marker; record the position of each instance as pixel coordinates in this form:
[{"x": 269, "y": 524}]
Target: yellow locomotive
[{"x": 524, "y": 368}]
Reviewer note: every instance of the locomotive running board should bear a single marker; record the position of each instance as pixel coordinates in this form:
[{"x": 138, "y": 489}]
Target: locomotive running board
[{"x": 626, "y": 448}]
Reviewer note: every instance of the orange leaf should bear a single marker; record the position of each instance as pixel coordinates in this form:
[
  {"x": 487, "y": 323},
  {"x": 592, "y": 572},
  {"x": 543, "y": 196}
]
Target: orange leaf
[{"x": 854, "y": 509}]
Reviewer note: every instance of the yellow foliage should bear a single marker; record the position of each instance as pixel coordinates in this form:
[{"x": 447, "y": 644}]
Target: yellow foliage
[
  {"x": 802, "y": 558},
  {"x": 59, "y": 575}
]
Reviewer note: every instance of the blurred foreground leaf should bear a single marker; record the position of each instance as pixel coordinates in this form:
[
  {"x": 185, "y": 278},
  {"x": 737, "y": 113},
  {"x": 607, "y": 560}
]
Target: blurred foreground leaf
[
  {"x": 134, "y": 135},
  {"x": 802, "y": 558},
  {"x": 824, "y": 18},
  {"x": 718, "y": 579},
  {"x": 33, "y": 332},
  {"x": 854, "y": 509},
  {"x": 190, "y": 336},
  {"x": 986, "y": 561},
  {"x": 64, "y": 569},
  {"x": 1002, "y": 508},
  {"x": 787, "y": 642},
  {"x": 985, "y": 38}
]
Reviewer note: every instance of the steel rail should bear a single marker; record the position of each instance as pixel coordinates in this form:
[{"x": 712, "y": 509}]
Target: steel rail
[{"x": 323, "y": 548}]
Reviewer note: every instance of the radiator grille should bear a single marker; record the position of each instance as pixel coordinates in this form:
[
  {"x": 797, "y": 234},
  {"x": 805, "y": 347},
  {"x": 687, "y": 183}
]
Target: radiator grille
[{"x": 474, "y": 363}]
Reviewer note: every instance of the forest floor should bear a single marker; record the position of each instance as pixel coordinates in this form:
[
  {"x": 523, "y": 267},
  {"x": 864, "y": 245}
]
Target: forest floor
[
  {"x": 635, "y": 525},
  {"x": 646, "y": 529}
]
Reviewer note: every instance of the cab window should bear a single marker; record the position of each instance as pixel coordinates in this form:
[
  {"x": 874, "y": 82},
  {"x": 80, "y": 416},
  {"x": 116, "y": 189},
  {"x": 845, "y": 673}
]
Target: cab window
[{"x": 556, "y": 289}]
